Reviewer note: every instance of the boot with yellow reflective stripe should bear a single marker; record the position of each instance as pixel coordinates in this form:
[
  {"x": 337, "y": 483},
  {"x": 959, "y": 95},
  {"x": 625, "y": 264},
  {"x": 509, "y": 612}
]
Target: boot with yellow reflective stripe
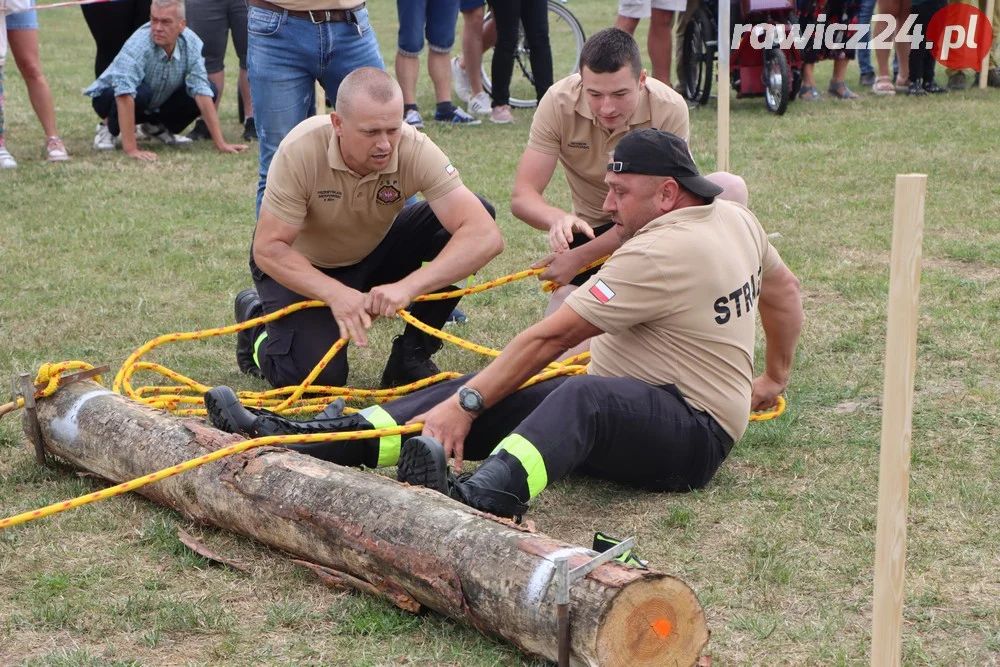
[
  {"x": 247, "y": 306},
  {"x": 422, "y": 462}
]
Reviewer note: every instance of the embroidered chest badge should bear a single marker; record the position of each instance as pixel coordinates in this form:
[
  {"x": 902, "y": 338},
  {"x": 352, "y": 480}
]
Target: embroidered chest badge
[
  {"x": 602, "y": 292},
  {"x": 388, "y": 195}
]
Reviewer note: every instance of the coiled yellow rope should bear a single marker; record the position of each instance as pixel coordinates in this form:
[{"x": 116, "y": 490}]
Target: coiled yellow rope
[{"x": 287, "y": 400}]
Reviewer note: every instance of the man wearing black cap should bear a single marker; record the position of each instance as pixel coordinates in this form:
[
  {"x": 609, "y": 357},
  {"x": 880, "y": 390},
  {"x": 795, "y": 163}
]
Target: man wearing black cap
[{"x": 671, "y": 318}]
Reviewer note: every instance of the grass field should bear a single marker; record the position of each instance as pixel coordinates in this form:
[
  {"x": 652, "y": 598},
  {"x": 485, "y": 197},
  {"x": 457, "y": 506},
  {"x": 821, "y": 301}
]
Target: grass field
[{"x": 102, "y": 254}]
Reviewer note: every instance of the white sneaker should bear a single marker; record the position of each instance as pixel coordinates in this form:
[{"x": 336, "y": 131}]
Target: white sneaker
[
  {"x": 414, "y": 118},
  {"x": 6, "y": 159},
  {"x": 164, "y": 135},
  {"x": 460, "y": 80},
  {"x": 55, "y": 150},
  {"x": 103, "y": 141},
  {"x": 480, "y": 104},
  {"x": 502, "y": 115}
]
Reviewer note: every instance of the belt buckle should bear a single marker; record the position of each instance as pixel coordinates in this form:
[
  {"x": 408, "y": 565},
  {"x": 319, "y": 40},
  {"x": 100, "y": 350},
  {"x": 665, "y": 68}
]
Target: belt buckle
[{"x": 325, "y": 13}]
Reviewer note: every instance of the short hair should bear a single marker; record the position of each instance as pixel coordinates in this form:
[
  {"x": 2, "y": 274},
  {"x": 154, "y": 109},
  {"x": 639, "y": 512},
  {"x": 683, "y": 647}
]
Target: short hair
[
  {"x": 609, "y": 50},
  {"x": 165, "y": 4},
  {"x": 371, "y": 81}
]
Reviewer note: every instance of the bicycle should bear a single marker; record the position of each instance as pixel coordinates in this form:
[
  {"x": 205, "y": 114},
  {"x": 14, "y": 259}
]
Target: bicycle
[{"x": 566, "y": 38}]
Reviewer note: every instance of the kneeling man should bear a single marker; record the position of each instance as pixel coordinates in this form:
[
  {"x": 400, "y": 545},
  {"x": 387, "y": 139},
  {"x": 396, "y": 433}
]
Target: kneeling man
[{"x": 671, "y": 318}]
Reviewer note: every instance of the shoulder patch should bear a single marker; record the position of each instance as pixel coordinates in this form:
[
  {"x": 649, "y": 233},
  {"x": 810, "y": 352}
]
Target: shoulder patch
[
  {"x": 602, "y": 292},
  {"x": 449, "y": 169}
]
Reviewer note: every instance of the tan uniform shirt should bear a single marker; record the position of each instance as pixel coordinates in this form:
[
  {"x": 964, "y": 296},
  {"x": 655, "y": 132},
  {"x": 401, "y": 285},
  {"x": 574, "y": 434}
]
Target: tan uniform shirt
[
  {"x": 677, "y": 303},
  {"x": 564, "y": 125},
  {"x": 344, "y": 216}
]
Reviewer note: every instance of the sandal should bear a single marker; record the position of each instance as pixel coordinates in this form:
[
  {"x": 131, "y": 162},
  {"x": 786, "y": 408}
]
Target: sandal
[
  {"x": 883, "y": 86},
  {"x": 841, "y": 91},
  {"x": 809, "y": 93}
]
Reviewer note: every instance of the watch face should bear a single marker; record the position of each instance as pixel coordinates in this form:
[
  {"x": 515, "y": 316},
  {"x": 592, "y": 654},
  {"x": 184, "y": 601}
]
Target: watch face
[{"x": 469, "y": 399}]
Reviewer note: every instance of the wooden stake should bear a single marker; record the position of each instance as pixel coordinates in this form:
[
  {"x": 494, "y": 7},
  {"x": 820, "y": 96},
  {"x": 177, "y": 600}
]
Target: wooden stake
[
  {"x": 897, "y": 414},
  {"x": 984, "y": 70},
  {"x": 722, "y": 146}
]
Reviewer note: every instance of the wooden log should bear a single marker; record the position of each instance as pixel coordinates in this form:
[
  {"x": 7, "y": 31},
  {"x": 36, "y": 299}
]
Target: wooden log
[
  {"x": 415, "y": 546},
  {"x": 897, "y": 420}
]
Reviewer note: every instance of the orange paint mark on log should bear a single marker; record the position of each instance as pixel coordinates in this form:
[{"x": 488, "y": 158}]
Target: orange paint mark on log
[{"x": 662, "y": 628}]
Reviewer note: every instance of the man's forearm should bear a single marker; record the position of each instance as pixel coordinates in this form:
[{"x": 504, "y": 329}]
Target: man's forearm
[
  {"x": 528, "y": 205},
  {"x": 782, "y": 324},
  {"x": 462, "y": 256},
  {"x": 126, "y": 121},
  {"x": 208, "y": 114}
]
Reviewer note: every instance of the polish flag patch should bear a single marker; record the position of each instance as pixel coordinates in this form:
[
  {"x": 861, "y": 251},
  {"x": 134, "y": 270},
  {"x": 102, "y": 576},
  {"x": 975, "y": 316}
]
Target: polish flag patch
[{"x": 602, "y": 292}]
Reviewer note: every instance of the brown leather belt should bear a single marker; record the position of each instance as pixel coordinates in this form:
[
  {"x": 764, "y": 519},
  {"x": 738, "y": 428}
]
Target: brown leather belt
[{"x": 314, "y": 15}]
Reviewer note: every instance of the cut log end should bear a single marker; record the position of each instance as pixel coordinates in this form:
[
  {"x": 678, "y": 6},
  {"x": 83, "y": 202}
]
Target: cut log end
[{"x": 655, "y": 622}]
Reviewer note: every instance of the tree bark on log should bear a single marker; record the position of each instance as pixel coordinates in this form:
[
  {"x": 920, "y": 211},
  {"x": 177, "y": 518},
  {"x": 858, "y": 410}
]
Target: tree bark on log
[{"x": 415, "y": 546}]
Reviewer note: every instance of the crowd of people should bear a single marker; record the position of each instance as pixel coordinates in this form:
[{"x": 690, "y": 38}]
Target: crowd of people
[{"x": 669, "y": 318}]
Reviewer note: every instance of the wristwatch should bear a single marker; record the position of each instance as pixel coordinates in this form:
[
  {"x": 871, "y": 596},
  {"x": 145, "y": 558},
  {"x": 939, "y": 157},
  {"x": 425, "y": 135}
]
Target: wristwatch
[{"x": 470, "y": 400}]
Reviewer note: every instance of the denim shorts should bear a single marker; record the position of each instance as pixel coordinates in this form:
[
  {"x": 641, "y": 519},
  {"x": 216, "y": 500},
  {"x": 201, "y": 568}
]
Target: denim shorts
[
  {"x": 435, "y": 18},
  {"x": 23, "y": 20}
]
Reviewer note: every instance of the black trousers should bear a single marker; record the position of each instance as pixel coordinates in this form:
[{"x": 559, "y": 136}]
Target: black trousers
[
  {"x": 111, "y": 24},
  {"x": 509, "y": 16},
  {"x": 297, "y": 342},
  {"x": 579, "y": 240},
  {"x": 921, "y": 59},
  {"x": 619, "y": 429},
  {"x": 179, "y": 111}
]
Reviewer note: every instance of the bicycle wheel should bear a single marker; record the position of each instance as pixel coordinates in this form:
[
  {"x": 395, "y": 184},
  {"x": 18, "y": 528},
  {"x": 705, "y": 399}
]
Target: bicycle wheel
[
  {"x": 777, "y": 81},
  {"x": 566, "y": 38},
  {"x": 699, "y": 56}
]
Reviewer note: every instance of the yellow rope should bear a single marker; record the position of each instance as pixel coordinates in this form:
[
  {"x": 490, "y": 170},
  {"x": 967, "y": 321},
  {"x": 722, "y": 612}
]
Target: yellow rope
[{"x": 285, "y": 400}]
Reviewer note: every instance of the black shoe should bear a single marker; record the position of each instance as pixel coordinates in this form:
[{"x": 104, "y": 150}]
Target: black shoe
[
  {"x": 867, "y": 80},
  {"x": 409, "y": 361},
  {"x": 422, "y": 462},
  {"x": 916, "y": 88},
  {"x": 934, "y": 89},
  {"x": 249, "y": 130},
  {"x": 226, "y": 412},
  {"x": 199, "y": 131},
  {"x": 247, "y": 307},
  {"x": 332, "y": 410}
]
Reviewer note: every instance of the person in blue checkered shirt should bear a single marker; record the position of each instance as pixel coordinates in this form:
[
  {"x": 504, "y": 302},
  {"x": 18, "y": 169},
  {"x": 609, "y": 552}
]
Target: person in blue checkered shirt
[{"x": 156, "y": 86}]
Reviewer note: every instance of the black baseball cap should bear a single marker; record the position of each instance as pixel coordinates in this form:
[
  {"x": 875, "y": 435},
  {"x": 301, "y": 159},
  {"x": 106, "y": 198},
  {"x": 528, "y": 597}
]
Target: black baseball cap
[{"x": 658, "y": 153}]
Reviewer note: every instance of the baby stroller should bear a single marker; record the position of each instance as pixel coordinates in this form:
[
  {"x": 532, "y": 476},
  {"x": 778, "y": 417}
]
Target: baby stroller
[{"x": 773, "y": 72}]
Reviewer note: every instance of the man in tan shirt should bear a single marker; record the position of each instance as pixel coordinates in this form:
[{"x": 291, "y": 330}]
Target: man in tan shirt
[
  {"x": 670, "y": 385},
  {"x": 333, "y": 227},
  {"x": 578, "y": 124}
]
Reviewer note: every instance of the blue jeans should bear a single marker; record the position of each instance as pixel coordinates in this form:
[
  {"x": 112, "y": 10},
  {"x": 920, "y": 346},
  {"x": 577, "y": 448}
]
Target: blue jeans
[
  {"x": 435, "y": 18},
  {"x": 864, "y": 54},
  {"x": 286, "y": 56}
]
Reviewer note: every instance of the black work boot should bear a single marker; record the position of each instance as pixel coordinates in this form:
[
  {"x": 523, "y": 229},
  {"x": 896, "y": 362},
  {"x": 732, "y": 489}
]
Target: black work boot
[
  {"x": 422, "y": 462},
  {"x": 227, "y": 414},
  {"x": 247, "y": 307},
  {"x": 409, "y": 361}
]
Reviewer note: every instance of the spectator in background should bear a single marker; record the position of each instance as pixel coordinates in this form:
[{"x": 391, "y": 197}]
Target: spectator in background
[
  {"x": 436, "y": 19},
  {"x": 921, "y": 59},
  {"x": 661, "y": 29},
  {"x": 111, "y": 24},
  {"x": 509, "y": 17},
  {"x": 157, "y": 80},
  {"x": 956, "y": 77},
  {"x": 466, "y": 68},
  {"x": 212, "y": 20},
  {"x": 6, "y": 7},
  {"x": 22, "y": 34},
  {"x": 291, "y": 45},
  {"x": 864, "y": 55},
  {"x": 844, "y": 12},
  {"x": 899, "y": 9}
]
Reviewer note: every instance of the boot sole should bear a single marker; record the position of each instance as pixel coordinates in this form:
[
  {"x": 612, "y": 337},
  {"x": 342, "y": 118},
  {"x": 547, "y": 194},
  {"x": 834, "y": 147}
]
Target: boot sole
[
  {"x": 219, "y": 405},
  {"x": 422, "y": 462}
]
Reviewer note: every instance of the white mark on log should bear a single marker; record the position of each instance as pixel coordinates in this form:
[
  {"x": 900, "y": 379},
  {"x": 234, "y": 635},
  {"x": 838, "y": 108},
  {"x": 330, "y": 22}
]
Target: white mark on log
[
  {"x": 64, "y": 427},
  {"x": 546, "y": 568}
]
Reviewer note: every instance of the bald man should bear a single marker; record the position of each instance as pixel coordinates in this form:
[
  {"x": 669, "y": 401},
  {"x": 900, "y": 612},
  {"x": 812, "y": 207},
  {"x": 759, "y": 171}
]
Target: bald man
[{"x": 333, "y": 227}]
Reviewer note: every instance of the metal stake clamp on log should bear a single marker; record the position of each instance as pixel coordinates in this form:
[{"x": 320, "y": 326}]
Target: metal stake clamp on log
[{"x": 564, "y": 577}]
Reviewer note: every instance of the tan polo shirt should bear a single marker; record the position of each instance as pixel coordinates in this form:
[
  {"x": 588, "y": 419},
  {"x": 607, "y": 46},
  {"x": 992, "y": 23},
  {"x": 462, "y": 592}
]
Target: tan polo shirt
[
  {"x": 344, "y": 216},
  {"x": 564, "y": 125},
  {"x": 678, "y": 301}
]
